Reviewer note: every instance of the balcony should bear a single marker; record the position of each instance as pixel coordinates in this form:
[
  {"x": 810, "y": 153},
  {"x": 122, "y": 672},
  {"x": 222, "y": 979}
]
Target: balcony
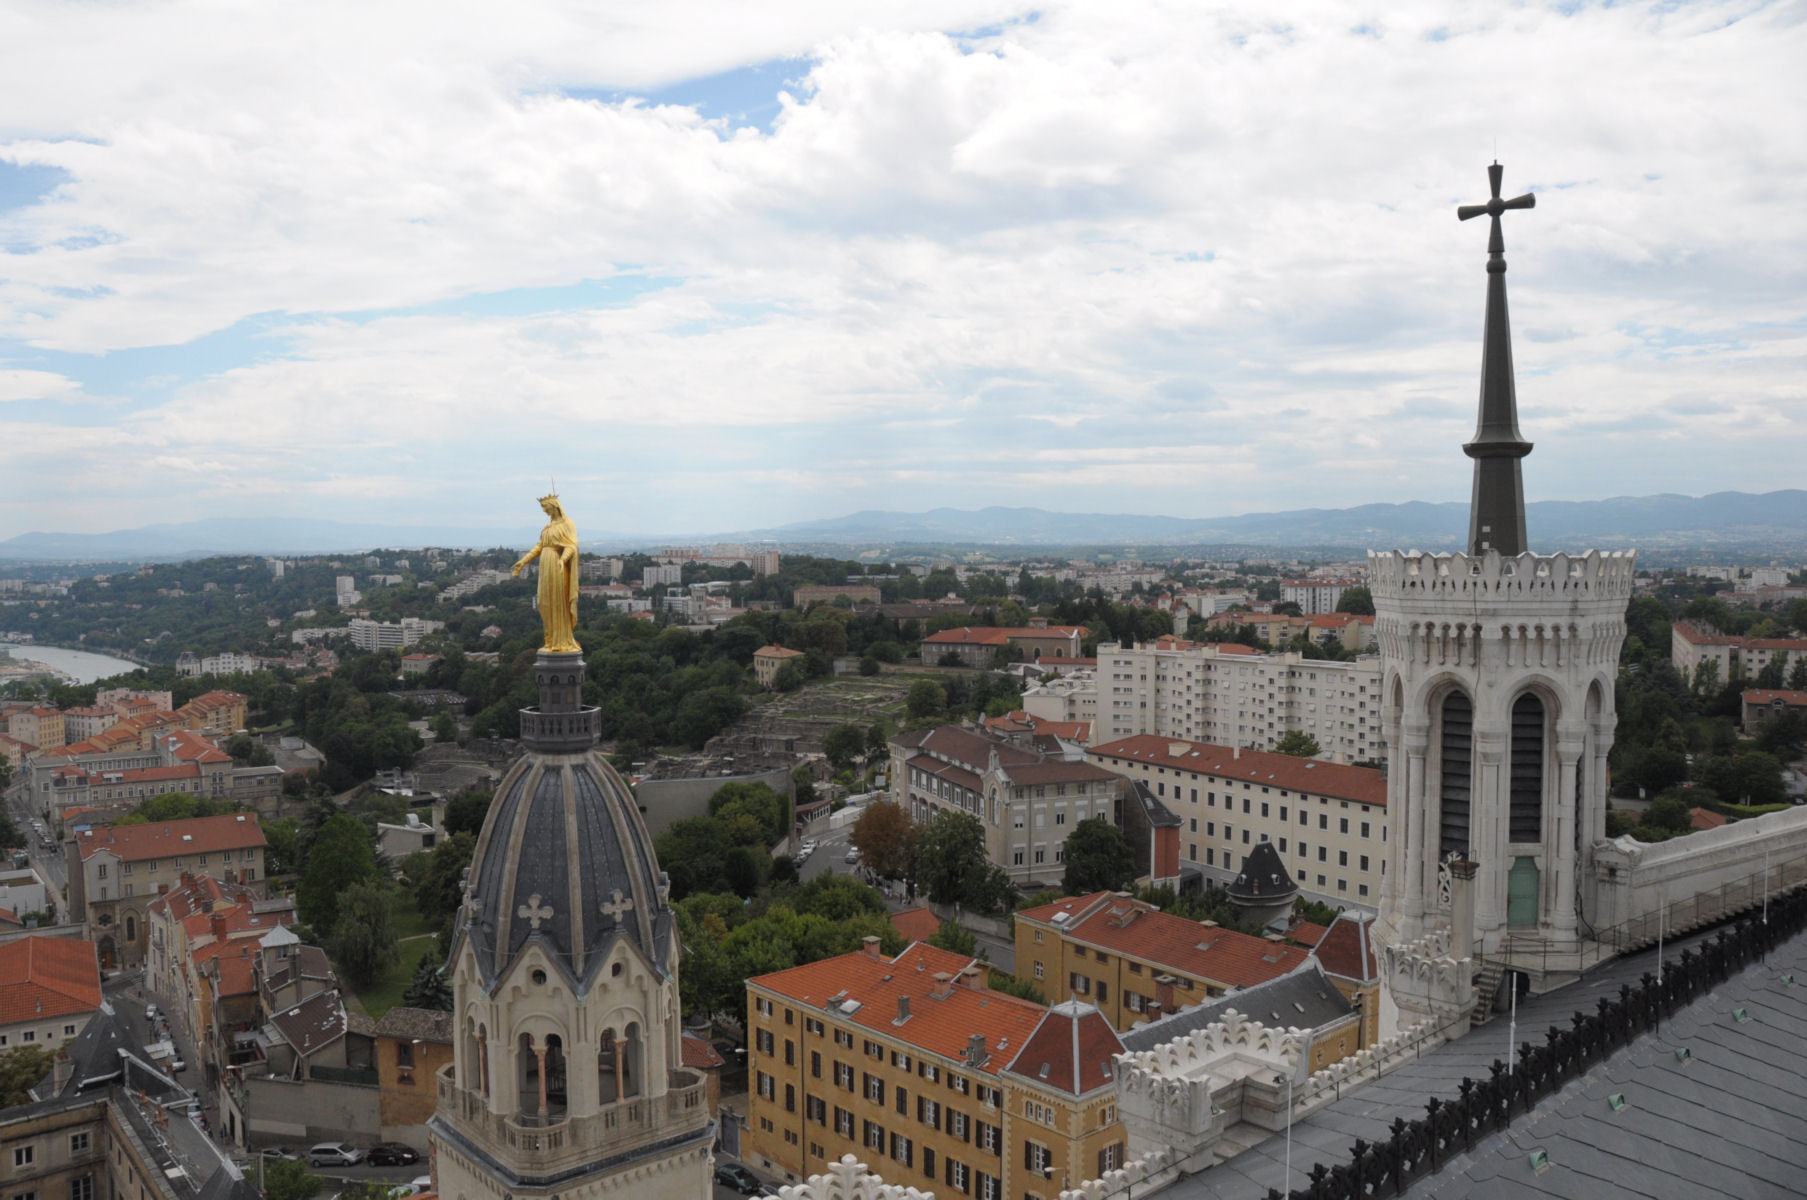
[{"x": 559, "y": 1141}]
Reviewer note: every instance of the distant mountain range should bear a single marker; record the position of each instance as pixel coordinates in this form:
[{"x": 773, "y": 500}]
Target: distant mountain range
[{"x": 1774, "y": 522}]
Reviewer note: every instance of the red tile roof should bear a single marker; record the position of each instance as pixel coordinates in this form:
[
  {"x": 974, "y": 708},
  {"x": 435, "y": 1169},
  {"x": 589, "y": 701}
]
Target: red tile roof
[
  {"x": 1347, "y": 949},
  {"x": 1793, "y": 699},
  {"x": 1705, "y": 818},
  {"x": 998, "y": 635},
  {"x": 1124, "y": 926},
  {"x": 48, "y": 977},
  {"x": 1365, "y": 785},
  {"x": 1306, "y": 933},
  {"x": 700, "y": 1055},
  {"x": 168, "y": 839},
  {"x": 776, "y": 652},
  {"x": 1070, "y": 1051},
  {"x": 185, "y": 745},
  {"x": 938, "y": 1026},
  {"x": 916, "y": 924}
]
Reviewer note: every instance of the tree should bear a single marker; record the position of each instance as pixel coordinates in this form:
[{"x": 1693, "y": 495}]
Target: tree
[
  {"x": 340, "y": 857},
  {"x": 1358, "y": 600},
  {"x": 464, "y": 813},
  {"x": 439, "y": 889},
  {"x": 1706, "y": 678},
  {"x": 1010, "y": 985},
  {"x": 1099, "y": 859},
  {"x": 1670, "y": 813},
  {"x": 950, "y": 858},
  {"x": 285, "y": 1180},
  {"x": 1797, "y": 682},
  {"x": 239, "y": 746},
  {"x": 789, "y": 678},
  {"x": 21, "y": 1069},
  {"x": 694, "y": 852},
  {"x": 752, "y": 813},
  {"x": 429, "y": 988},
  {"x": 1298, "y": 744},
  {"x": 924, "y": 701},
  {"x": 1774, "y": 671},
  {"x": 886, "y": 837},
  {"x": 362, "y": 945},
  {"x": 9, "y": 832},
  {"x": 445, "y": 727},
  {"x": 843, "y": 745},
  {"x": 955, "y": 937},
  {"x": 1759, "y": 778}
]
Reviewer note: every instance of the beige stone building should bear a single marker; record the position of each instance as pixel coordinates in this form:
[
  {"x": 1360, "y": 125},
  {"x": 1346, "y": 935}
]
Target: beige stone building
[
  {"x": 769, "y": 660},
  {"x": 935, "y": 1081}
]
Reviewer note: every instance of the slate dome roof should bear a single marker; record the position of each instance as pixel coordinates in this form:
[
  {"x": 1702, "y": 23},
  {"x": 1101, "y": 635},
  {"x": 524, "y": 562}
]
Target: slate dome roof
[
  {"x": 564, "y": 857},
  {"x": 1263, "y": 876}
]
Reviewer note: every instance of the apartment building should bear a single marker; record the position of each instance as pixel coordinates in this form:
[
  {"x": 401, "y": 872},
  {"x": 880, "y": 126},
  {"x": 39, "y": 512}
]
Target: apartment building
[
  {"x": 976, "y": 646},
  {"x": 1235, "y": 695},
  {"x": 1072, "y": 696},
  {"x": 1316, "y": 595},
  {"x": 1327, "y": 820},
  {"x": 1027, "y": 800},
  {"x": 933, "y": 1080},
  {"x": 381, "y": 635},
  {"x": 1135, "y": 962},
  {"x": 40, "y": 727},
  {"x": 117, "y": 871},
  {"x": 1690, "y": 645},
  {"x": 769, "y": 660}
]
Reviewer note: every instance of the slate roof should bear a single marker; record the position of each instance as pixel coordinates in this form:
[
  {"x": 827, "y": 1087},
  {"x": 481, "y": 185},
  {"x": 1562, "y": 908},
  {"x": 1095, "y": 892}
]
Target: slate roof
[
  {"x": 429, "y": 1025},
  {"x": 315, "y": 1022},
  {"x": 1263, "y": 876},
  {"x": 1302, "y": 1000},
  {"x": 1730, "y": 1122},
  {"x": 1153, "y": 811},
  {"x": 1368, "y": 1112}
]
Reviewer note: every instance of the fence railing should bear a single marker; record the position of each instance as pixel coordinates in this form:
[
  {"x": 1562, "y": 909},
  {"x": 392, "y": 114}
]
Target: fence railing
[{"x": 1485, "y": 1106}]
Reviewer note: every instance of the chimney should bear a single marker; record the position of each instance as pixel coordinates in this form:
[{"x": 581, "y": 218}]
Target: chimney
[
  {"x": 1176, "y": 749},
  {"x": 218, "y": 921},
  {"x": 944, "y": 986},
  {"x": 1235, "y": 752},
  {"x": 975, "y": 1050},
  {"x": 903, "y": 1010},
  {"x": 972, "y": 978},
  {"x": 869, "y": 945},
  {"x": 1163, "y": 991},
  {"x": 1153, "y": 1010},
  {"x": 60, "y": 1073}
]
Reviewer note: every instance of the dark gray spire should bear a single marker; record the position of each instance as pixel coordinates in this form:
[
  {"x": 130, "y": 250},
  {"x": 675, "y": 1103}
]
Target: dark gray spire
[{"x": 1496, "y": 513}]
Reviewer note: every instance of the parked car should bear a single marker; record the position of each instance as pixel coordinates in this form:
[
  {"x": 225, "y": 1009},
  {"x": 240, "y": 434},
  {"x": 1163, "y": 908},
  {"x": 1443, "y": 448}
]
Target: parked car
[
  {"x": 392, "y": 1154},
  {"x": 279, "y": 1154},
  {"x": 150, "y": 1011},
  {"x": 809, "y": 845},
  {"x": 334, "y": 1154},
  {"x": 853, "y": 856},
  {"x": 739, "y": 1178}
]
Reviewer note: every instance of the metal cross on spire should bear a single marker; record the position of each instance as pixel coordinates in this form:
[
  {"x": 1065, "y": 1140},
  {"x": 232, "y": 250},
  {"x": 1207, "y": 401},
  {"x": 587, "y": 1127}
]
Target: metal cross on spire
[{"x": 1496, "y": 515}]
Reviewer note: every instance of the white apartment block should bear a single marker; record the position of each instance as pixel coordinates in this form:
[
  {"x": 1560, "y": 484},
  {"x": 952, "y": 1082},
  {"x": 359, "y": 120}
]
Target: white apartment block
[
  {"x": 669, "y": 575},
  {"x": 1327, "y": 821},
  {"x": 475, "y": 582},
  {"x": 216, "y": 664},
  {"x": 1072, "y": 696},
  {"x": 379, "y": 635},
  {"x": 1235, "y": 696},
  {"x": 1767, "y": 577},
  {"x": 1316, "y": 595}
]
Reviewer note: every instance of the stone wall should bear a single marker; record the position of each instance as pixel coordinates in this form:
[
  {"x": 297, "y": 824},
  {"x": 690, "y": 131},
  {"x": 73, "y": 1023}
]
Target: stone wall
[
  {"x": 288, "y": 1111},
  {"x": 663, "y": 801},
  {"x": 1696, "y": 879}
]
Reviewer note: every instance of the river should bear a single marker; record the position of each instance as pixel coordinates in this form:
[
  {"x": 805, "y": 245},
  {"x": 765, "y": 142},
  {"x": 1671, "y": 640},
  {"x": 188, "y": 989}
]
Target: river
[{"x": 81, "y": 666}]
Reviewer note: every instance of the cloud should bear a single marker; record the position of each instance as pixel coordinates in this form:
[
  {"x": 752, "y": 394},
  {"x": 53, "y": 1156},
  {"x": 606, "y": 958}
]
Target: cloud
[{"x": 1151, "y": 256}]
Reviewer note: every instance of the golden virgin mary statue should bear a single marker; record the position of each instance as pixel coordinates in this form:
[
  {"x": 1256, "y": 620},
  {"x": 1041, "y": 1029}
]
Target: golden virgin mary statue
[{"x": 557, "y": 553}]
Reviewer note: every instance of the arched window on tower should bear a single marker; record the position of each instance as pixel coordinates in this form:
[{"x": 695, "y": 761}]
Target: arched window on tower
[
  {"x": 1456, "y": 784},
  {"x": 1524, "y": 812},
  {"x": 632, "y": 1063},
  {"x": 608, "y": 1068},
  {"x": 555, "y": 1075}
]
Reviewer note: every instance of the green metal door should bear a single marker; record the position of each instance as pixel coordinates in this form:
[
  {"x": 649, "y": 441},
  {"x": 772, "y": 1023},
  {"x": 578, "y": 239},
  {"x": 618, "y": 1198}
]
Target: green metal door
[{"x": 1521, "y": 892}]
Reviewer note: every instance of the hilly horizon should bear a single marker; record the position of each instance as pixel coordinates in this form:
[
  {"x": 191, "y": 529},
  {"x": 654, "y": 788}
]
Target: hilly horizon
[{"x": 1773, "y": 521}]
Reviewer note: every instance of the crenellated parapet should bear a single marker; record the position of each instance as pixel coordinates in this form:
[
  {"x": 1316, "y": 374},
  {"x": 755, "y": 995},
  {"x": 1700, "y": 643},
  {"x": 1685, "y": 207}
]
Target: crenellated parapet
[
  {"x": 1426, "y": 980},
  {"x": 849, "y": 1179},
  {"x": 1599, "y": 574}
]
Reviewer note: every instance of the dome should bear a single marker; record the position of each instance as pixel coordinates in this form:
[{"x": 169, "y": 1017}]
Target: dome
[
  {"x": 1263, "y": 878},
  {"x": 564, "y": 856}
]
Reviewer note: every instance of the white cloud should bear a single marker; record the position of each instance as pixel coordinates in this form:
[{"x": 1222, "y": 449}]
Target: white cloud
[
  {"x": 1093, "y": 238},
  {"x": 36, "y": 385}
]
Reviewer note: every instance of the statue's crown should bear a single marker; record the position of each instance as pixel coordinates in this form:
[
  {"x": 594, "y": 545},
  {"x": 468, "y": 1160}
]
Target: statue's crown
[{"x": 548, "y": 496}]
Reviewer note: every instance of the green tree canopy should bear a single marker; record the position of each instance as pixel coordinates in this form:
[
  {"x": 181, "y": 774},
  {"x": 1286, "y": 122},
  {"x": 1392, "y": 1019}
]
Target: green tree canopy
[
  {"x": 284, "y": 1180},
  {"x": 1358, "y": 600},
  {"x": 438, "y": 889},
  {"x": 1098, "y": 858},
  {"x": 20, "y": 1070},
  {"x": 341, "y": 856},
  {"x": 1298, "y": 744},
  {"x": 952, "y": 867},
  {"x": 464, "y": 813},
  {"x": 362, "y": 944},
  {"x": 924, "y": 701},
  {"x": 844, "y": 745}
]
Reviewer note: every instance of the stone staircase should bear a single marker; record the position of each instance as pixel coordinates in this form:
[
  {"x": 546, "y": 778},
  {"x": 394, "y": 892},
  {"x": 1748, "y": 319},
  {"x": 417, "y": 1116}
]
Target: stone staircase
[{"x": 1487, "y": 991}]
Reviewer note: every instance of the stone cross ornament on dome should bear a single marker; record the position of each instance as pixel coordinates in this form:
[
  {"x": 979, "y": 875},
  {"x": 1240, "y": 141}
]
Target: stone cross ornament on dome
[{"x": 1496, "y": 513}]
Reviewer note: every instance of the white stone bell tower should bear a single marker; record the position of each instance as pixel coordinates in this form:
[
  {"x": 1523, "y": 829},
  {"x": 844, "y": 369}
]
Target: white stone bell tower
[{"x": 1497, "y": 674}]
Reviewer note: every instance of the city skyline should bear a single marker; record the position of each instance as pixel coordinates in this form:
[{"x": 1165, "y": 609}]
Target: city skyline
[{"x": 763, "y": 270}]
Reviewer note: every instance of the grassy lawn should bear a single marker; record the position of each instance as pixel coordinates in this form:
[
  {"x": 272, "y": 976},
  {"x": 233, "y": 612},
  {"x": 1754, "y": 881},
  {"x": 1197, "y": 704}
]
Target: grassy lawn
[
  {"x": 386, "y": 993},
  {"x": 415, "y": 937}
]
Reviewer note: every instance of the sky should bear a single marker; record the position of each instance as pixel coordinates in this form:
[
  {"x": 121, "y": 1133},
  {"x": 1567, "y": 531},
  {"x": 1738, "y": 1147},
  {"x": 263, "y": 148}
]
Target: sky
[{"x": 713, "y": 267}]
